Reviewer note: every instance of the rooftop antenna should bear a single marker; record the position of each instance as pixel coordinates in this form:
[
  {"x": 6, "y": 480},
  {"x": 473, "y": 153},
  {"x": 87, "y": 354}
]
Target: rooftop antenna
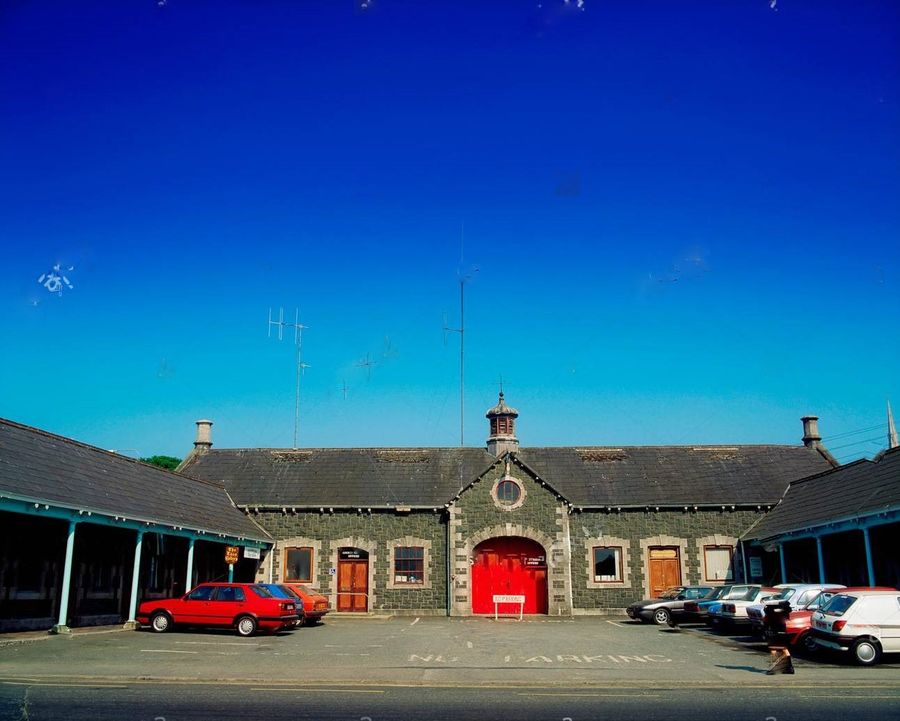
[
  {"x": 367, "y": 364},
  {"x": 301, "y": 366},
  {"x": 463, "y": 276}
]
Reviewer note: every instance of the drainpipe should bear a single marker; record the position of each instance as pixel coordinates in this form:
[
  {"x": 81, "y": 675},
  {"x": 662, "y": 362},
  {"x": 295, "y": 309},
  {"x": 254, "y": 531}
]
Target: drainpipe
[
  {"x": 744, "y": 561},
  {"x": 61, "y": 626},
  {"x": 781, "y": 559},
  {"x": 870, "y": 566},
  {"x": 132, "y": 623}
]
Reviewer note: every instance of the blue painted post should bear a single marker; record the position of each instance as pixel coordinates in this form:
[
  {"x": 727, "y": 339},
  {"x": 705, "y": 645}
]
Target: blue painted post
[
  {"x": 783, "y": 566},
  {"x": 188, "y": 582},
  {"x": 870, "y": 566},
  {"x": 61, "y": 626},
  {"x": 821, "y": 559},
  {"x": 135, "y": 581},
  {"x": 230, "y": 573}
]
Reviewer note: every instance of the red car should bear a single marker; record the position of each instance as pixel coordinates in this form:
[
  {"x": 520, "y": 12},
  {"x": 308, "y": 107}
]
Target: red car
[
  {"x": 245, "y": 607},
  {"x": 315, "y": 605},
  {"x": 793, "y": 629}
]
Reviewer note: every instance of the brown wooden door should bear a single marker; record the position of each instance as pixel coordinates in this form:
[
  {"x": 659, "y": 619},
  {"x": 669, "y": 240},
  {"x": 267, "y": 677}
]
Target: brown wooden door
[
  {"x": 665, "y": 570},
  {"x": 353, "y": 585}
]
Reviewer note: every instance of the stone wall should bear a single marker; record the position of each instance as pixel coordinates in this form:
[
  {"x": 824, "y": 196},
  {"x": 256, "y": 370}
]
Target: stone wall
[
  {"x": 378, "y": 533},
  {"x": 541, "y": 516},
  {"x": 637, "y": 530}
]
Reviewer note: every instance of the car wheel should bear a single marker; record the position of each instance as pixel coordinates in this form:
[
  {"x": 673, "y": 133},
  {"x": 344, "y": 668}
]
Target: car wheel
[
  {"x": 662, "y": 616},
  {"x": 806, "y": 642},
  {"x": 160, "y": 622},
  {"x": 246, "y": 626},
  {"x": 866, "y": 652}
]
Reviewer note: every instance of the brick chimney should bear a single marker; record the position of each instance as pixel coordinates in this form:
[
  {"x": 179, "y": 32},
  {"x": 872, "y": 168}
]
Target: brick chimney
[{"x": 204, "y": 436}]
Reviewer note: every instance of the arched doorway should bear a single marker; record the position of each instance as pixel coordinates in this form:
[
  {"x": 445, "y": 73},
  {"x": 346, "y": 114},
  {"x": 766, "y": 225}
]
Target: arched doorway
[{"x": 509, "y": 566}]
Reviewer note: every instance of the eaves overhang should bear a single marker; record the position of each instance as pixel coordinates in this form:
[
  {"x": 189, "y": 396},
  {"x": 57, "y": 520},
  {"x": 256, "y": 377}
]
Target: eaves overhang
[
  {"x": 853, "y": 522},
  {"x": 31, "y": 506}
]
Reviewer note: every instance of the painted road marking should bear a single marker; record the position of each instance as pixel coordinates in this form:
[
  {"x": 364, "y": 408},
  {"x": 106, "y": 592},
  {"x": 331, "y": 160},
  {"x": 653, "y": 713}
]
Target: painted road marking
[
  {"x": 594, "y": 695},
  {"x": 415, "y": 622},
  {"x": 616, "y": 624},
  {"x": 61, "y": 684},
  {"x": 217, "y": 643},
  {"x": 307, "y": 689},
  {"x": 165, "y": 650},
  {"x": 469, "y": 644}
]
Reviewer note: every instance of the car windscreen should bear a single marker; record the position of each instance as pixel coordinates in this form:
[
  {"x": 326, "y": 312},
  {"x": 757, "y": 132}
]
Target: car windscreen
[
  {"x": 819, "y": 600},
  {"x": 262, "y": 591},
  {"x": 785, "y": 593},
  {"x": 277, "y": 591},
  {"x": 838, "y": 605},
  {"x": 748, "y": 595},
  {"x": 670, "y": 593}
]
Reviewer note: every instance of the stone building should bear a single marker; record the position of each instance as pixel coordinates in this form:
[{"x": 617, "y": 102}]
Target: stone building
[
  {"x": 449, "y": 530},
  {"x": 85, "y": 534},
  {"x": 840, "y": 526}
]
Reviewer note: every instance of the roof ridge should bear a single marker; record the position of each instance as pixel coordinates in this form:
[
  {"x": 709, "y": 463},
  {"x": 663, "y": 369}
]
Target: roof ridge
[{"x": 111, "y": 454}]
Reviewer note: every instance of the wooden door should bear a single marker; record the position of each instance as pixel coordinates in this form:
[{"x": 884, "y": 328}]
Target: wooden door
[
  {"x": 353, "y": 585},
  {"x": 665, "y": 570}
]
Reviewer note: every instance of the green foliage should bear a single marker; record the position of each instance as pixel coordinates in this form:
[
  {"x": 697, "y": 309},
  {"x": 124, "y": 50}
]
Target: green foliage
[{"x": 167, "y": 462}]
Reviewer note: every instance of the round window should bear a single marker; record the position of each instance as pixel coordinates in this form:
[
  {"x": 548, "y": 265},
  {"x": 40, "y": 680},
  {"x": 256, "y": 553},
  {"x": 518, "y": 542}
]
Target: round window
[{"x": 508, "y": 492}]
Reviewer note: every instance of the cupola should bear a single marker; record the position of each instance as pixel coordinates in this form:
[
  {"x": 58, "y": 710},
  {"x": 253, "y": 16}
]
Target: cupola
[{"x": 503, "y": 428}]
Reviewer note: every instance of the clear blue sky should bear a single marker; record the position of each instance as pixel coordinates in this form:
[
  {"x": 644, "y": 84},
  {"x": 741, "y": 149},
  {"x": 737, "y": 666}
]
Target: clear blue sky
[{"x": 684, "y": 216}]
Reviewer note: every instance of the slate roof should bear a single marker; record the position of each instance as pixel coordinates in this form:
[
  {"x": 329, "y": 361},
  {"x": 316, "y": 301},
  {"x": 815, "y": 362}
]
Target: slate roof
[
  {"x": 673, "y": 475},
  {"x": 42, "y": 467},
  {"x": 628, "y": 476},
  {"x": 853, "y": 491},
  {"x": 340, "y": 477}
]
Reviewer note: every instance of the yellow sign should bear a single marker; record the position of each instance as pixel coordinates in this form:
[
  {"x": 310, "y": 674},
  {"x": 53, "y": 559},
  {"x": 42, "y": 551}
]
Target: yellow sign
[{"x": 231, "y": 554}]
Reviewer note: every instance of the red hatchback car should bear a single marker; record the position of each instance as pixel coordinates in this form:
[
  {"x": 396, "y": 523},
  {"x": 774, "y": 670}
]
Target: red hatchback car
[{"x": 244, "y": 607}]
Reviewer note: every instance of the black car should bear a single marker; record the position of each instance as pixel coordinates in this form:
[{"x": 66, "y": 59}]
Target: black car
[{"x": 669, "y": 605}]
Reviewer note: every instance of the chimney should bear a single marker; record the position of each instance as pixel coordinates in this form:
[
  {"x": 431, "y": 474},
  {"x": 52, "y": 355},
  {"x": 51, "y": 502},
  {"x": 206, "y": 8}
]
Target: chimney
[
  {"x": 204, "y": 435},
  {"x": 811, "y": 437}
]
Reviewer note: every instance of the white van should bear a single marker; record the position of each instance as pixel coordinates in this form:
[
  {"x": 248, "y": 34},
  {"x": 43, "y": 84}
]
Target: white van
[{"x": 865, "y": 623}]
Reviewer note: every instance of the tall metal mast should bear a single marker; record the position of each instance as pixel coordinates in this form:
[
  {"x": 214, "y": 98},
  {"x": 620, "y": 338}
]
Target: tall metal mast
[
  {"x": 464, "y": 277},
  {"x": 301, "y": 366}
]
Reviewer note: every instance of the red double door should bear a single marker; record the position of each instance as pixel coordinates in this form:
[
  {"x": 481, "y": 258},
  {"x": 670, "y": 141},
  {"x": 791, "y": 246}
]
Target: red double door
[{"x": 509, "y": 566}]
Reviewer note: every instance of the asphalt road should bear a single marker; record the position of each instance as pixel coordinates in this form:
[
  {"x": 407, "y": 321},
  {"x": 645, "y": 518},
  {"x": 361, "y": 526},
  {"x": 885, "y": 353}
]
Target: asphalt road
[
  {"x": 431, "y": 668},
  {"x": 214, "y": 702}
]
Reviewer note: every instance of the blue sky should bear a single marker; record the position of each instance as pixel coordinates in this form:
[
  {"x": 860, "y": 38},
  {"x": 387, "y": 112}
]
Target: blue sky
[{"x": 683, "y": 217}]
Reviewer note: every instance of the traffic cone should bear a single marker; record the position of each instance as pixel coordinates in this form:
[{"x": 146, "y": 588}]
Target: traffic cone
[{"x": 781, "y": 661}]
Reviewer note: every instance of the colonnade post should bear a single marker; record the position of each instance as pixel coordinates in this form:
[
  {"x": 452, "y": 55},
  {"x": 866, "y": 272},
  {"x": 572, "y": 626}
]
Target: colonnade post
[{"x": 61, "y": 626}]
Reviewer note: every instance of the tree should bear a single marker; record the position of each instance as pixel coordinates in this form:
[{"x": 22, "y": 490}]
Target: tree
[{"x": 167, "y": 462}]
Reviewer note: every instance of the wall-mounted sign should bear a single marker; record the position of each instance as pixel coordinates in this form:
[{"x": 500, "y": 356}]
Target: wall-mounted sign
[
  {"x": 353, "y": 554},
  {"x": 535, "y": 561},
  {"x": 756, "y": 569},
  {"x": 251, "y": 552},
  {"x": 232, "y": 553},
  {"x": 332, "y": 571}
]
